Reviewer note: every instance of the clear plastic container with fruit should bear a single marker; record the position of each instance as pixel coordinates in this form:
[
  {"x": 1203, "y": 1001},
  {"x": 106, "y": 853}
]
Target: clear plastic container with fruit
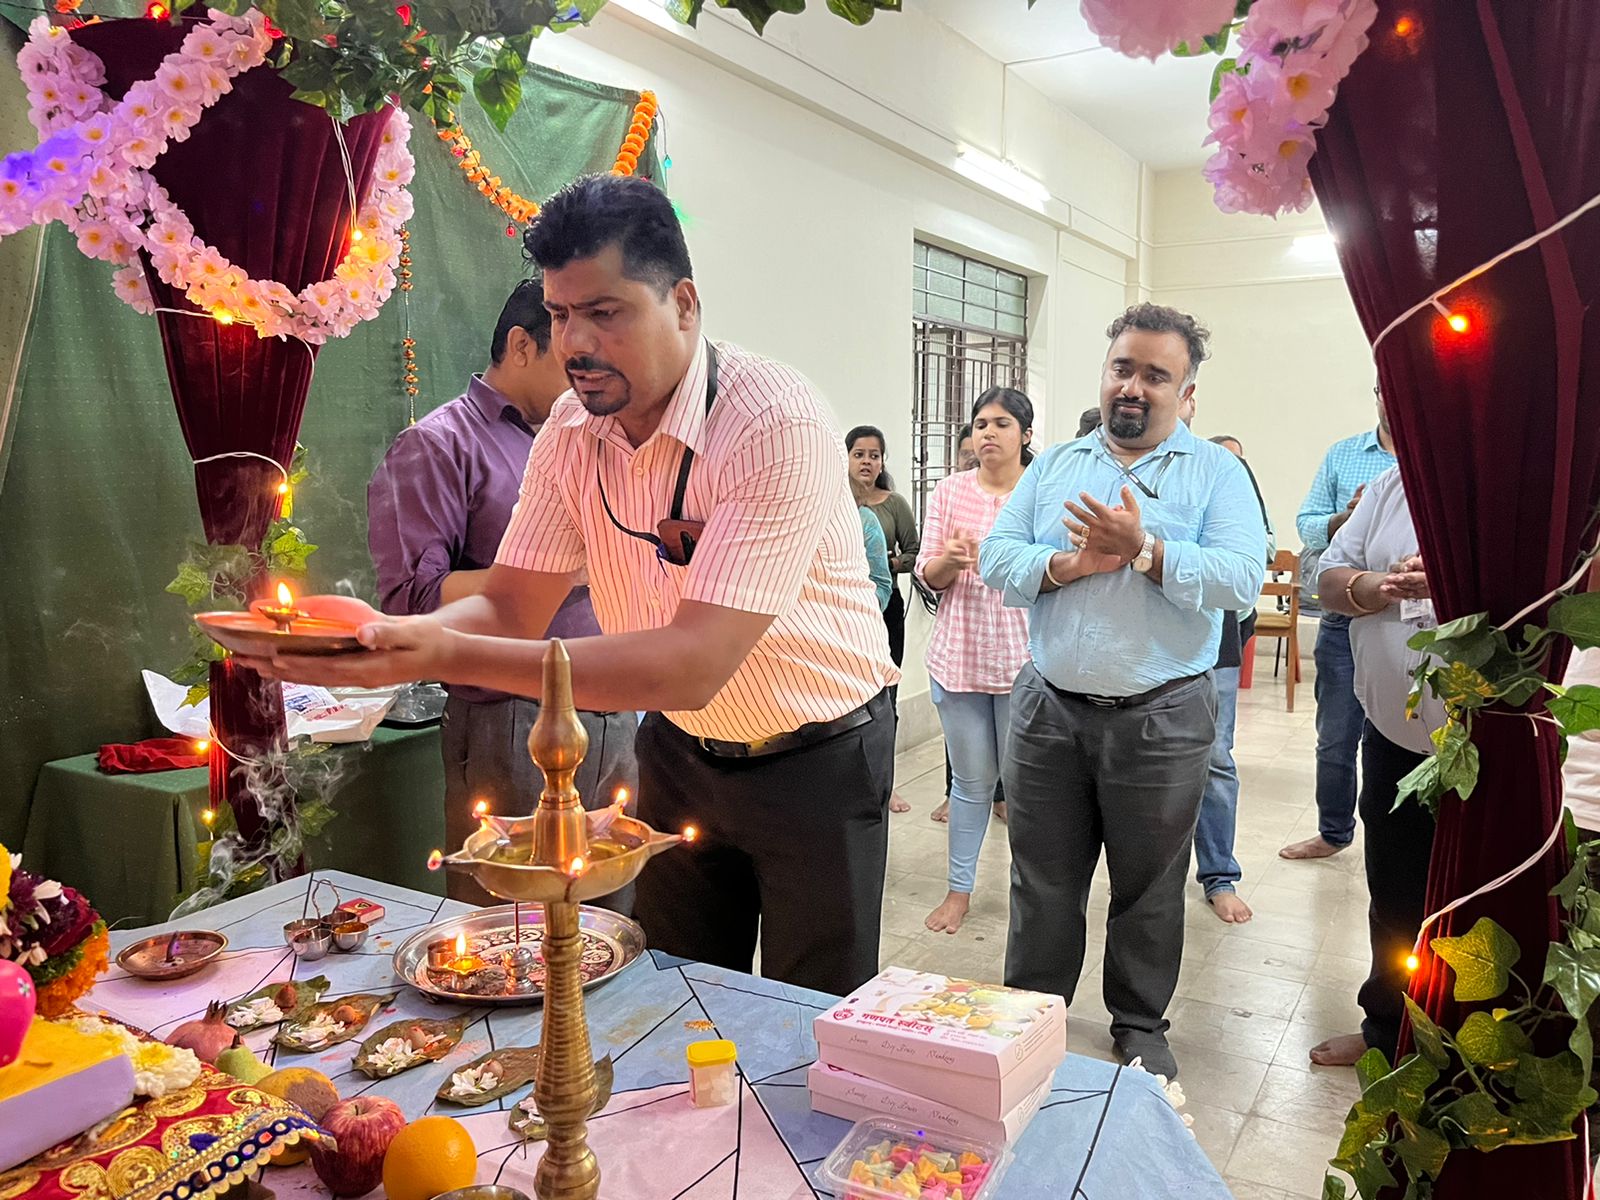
[{"x": 883, "y": 1159}]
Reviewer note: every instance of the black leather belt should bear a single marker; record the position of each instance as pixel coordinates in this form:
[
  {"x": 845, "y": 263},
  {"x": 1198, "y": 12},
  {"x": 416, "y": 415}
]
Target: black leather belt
[
  {"x": 806, "y": 735},
  {"x": 1154, "y": 693}
]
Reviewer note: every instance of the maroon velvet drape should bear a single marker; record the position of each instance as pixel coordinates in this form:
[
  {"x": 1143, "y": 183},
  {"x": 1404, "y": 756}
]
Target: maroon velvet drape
[
  {"x": 261, "y": 179},
  {"x": 1467, "y": 126}
]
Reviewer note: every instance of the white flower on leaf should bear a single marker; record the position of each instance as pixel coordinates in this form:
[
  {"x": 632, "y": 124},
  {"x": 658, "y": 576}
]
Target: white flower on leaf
[{"x": 394, "y": 1054}]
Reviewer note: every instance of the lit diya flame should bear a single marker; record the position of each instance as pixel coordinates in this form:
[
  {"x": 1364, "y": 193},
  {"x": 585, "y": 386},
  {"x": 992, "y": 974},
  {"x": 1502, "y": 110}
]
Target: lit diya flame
[
  {"x": 690, "y": 833},
  {"x": 284, "y": 613},
  {"x": 285, "y": 596},
  {"x": 480, "y": 809},
  {"x": 435, "y": 860},
  {"x": 461, "y": 944}
]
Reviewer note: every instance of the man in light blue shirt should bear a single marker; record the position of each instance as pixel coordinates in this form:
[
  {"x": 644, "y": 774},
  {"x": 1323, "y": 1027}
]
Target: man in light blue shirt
[
  {"x": 1127, "y": 546},
  {"x": 1347, "y": 468}
]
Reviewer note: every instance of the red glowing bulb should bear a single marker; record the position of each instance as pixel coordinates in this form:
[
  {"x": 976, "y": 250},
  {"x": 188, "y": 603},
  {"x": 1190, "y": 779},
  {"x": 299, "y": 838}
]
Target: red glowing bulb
[
  {"x": 1458, "y": 322},
  {"x": 157, "y": 11},
  {"x": 1405, "y": 26}
]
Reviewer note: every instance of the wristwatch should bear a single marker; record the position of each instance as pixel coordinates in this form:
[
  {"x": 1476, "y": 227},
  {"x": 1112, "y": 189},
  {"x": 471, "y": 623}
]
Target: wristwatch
[{"x": 1146, "y": 558}]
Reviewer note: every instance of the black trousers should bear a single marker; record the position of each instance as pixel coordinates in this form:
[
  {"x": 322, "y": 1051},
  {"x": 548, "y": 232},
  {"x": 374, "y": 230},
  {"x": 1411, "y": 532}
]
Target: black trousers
[
  {"x": 1396, "y": 846},
  {"x": 795, "y": 844},
  {"x": 894, "y": 619}
]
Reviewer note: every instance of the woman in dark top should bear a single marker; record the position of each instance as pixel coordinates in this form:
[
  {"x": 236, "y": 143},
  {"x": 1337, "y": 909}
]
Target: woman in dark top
[{"x": 873, "y": 489}]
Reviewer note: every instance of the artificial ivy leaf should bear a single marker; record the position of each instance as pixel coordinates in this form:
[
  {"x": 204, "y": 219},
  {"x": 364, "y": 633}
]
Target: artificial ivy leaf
[
  {"x": 1462, "y": 684},
  {"x": 1578, "y": 617},
  {"x": 1228, "y": 66},
  {"x": 1371, "y": 1067},
  {"x": 1557, "y": 1081},
  {"x": 1401, "y": 1093},
  {"x": 857, "y": 12},
  {"x": 192, "y": 583},
  {"x": 1581, "y": 1043},
  {"x": 1569, "y": 826},
  {"x": 1571, "y": 883},
  {"x": 1577, "y": 708},
  {"x": 499, "y": 91},
  {"x": 1534, "y": 1124},
  {"x": 1424, "y": 782},
  {"x": 1481, "y": 1123},
  {"x": 1428, "y": 1036},
  {"x": 1333, "y": 1188},
  {"x": 1371, "y": 1172},
  {"x": 1486, "y": 1042},
  {"x": 1423, "y": 638},
  {"x": 1575, "y": 975},
  {"x": 289, "y": 550},
  {"x": 1458, "y": 758},
  {"x": 1482, "y": 959},
  {"x": 1423, "y": 1150},
  {"x": 1521, "y": 687},
  {"x": 1460, "y": 627},
  {"x": 196, "y": 693}
]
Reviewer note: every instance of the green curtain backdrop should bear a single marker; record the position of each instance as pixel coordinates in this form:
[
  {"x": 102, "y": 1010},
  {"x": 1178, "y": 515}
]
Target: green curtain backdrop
[{"x": 97, "y": 502}]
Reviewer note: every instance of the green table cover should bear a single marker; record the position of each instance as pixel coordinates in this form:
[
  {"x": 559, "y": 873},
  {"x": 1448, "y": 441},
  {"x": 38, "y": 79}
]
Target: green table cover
[{"x": 129, "y": 842}]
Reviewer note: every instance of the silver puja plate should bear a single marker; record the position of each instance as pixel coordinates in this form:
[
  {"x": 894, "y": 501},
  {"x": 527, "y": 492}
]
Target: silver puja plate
[{"x": 514, "y": 974}]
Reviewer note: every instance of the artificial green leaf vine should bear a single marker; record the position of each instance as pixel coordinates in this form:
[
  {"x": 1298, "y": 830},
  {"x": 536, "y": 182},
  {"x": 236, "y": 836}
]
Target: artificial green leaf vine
[
  {"x": 219, "y": 577},
  {"x": 1485, "y": 1085}
]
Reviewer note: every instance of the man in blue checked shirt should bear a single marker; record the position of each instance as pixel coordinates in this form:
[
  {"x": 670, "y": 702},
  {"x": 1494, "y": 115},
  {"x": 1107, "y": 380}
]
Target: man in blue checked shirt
[
  {"x": 1348, "y": 467},
  {"x": 1127, "y": 546}
]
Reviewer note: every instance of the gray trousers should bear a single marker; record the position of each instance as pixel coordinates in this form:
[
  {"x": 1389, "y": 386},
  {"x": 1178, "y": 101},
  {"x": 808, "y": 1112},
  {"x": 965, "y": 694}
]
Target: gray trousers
[
  {"x": 486, "y": 758},
  {"x": 1079, "y": 777}
]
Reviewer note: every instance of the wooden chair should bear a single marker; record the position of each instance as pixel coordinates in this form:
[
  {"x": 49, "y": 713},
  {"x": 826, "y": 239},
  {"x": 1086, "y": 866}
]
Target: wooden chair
[{"x": 1281, "y": 623}]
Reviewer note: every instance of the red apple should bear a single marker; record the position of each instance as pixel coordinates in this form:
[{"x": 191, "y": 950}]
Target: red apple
[{"x": 362, "y": 1129}]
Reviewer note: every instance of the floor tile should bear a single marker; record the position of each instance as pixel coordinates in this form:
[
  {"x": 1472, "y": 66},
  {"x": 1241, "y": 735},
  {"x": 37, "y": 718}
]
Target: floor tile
[
  {"x": 1215, "y": 1128},
  {"x": 1236, "y": 989},
  {"x": 1244, "y": 953},
  {"x": 1218, "y": 1079},
  {"x": 1237, "y": 1030},
  {"x": 1278, "y": 1155},
  {"x": 1317, "y": 1100}
]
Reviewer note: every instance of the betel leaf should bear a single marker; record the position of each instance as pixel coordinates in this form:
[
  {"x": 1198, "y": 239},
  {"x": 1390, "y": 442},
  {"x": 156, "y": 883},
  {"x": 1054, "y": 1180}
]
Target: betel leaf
[
  {"x": 1428, "y": 1036},
  {"x": 1575, "y": 975},
  {"x": 1577, "y": 707},
  {"x": 1486, "y": 1042},
  {"x": 1482, "y": 959},
  {"x": 517, "y": 1066},
  {"x": 425, "y": 1041},
  {"x": 1577, "y": 617},
  {"x": 1478, "y": 1120}
]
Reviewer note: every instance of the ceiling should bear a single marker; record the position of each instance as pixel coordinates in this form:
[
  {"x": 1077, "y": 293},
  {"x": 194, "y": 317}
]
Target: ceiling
[{"x": 1154, "y": 111}]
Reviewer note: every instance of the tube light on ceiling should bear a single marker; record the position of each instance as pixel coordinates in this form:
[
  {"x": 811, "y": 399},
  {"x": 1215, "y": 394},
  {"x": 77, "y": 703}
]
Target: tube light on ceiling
[{"x": 1001, "y": 176}]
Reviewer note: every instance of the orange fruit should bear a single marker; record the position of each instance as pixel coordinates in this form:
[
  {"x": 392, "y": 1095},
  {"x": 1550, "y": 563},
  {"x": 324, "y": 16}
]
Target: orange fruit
[{"x": 427, "y": 1157}]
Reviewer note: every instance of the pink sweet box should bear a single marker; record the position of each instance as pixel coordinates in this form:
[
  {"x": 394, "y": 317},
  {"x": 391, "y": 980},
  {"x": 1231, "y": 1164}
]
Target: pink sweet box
[
  {"x": 981, "y": 1047},
  {"x": 853, "y": 1097}
]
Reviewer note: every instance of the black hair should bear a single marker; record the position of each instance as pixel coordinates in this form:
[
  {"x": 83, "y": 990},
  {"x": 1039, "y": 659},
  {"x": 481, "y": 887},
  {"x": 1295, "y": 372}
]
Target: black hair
[
  {"x": 1158, "y": 318},
  {"x": 1088, "y": 422},
  {"x": 524, "y": 310},
  {"x": 1228, "y": 437},
  {"x": 860, "y": 431},
  {"x": 963, "y": 434},
  {"x": 597, "y": 211},
  {"x": 1014, "y": 402}
]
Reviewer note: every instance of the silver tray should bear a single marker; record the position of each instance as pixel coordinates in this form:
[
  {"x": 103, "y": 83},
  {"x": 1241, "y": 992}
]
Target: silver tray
[{"x": 612, "y": 943}]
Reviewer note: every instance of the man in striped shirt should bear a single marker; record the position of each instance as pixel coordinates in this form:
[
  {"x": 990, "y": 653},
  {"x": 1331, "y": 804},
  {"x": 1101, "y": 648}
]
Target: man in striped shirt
[{"x": 705, "y": 490}]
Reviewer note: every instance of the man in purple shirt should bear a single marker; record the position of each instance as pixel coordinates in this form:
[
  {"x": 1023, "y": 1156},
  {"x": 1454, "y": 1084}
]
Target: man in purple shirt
[{"x": 436, "y": 509}]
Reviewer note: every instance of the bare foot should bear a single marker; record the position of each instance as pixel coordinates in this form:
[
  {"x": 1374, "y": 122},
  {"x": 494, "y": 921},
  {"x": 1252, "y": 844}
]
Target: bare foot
[
  {"x": 1341, "y": 1051},
  {"x": 1310, "y": 848},
  {"x": 1000, "y": 812},
  {"x": 1229, "y": 908},
  {"x": 941, "y": 814},
  {"x": 948, "y": 916},
  {"x": 898, "y": 805}
]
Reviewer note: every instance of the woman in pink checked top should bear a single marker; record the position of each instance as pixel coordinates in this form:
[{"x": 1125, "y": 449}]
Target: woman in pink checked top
[{"x": 978, "y": 646}]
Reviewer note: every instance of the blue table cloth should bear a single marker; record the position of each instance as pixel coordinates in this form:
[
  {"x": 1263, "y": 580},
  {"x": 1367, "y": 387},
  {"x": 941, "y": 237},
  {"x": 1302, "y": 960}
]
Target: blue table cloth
[{"x": 1104, "y": 1133}]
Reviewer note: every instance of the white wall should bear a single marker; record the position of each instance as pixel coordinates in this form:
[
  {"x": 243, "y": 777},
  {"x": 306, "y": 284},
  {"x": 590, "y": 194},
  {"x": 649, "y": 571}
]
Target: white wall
[
  {"x": 805, "y": 186},
  {"x": 1291, "y": 372}
]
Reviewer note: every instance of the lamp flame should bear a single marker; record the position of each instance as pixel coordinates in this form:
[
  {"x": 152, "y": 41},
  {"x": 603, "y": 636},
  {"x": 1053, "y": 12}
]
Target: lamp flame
[
  {"x": 285, "y": 596},
  {"x": 690, "y": 833},
  {"x": 461, "y": 944},
  {"x": 435, "y": 860},
  {"x": 622, "y": 796},
  {"x": 481, "y": 808}
]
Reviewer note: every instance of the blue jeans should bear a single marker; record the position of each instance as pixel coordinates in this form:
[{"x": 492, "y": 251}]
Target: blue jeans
[
  {"x": 976, "y": 725},
  {"x": 1216, "y": 869},
  {"x": 1339, "y": 723}
]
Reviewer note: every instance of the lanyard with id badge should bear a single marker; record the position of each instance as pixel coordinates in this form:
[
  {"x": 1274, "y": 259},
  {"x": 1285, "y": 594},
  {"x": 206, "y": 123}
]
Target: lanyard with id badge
[{"x": 675, "y": 539}]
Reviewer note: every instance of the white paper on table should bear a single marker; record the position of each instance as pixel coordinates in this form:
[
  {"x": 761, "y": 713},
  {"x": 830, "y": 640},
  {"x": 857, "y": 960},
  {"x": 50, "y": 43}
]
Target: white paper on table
[{"x": 339, "y": 715}]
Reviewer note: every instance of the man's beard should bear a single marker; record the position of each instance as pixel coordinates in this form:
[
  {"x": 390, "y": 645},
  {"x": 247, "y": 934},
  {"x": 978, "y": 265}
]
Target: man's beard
[
  {"x": 1127, "y": 426},
  {"x": 599, "y": 404}
]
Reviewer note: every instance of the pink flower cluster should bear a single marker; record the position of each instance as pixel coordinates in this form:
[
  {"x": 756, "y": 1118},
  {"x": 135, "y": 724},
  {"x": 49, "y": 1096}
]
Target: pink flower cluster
[
  {"x": 1151, "y": 28},
  {"x": 1293, "y": 55},
  {"x": 92, "y": 173}
]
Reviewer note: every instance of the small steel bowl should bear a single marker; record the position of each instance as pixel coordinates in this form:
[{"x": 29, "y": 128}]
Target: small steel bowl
[
  {"x": 350, "y": 936},
  {"x": 172, "y": 955},
  {"x": 311, "y": 944},
  {"x": 484, "y": 1191},
  {"x": 305, "y": 925}
]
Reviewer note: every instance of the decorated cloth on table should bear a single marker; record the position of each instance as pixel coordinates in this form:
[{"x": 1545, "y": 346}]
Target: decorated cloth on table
[
  {"x": 152, "y": 754},
  {"x": 180, "y": 1146}
]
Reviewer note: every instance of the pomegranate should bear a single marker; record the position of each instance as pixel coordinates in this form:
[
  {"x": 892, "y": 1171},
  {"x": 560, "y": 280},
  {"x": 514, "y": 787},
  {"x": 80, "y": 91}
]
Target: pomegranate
[{"x": 207, "y": 1037}]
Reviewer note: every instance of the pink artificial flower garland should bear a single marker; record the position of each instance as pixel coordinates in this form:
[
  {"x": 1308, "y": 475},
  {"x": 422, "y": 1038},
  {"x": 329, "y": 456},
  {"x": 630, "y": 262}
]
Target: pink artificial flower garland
[
  {"x": 1151, "y": 28},
  {"x": 91, "y": 172}
]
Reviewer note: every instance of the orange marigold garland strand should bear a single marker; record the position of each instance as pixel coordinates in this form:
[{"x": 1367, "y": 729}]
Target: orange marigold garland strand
[
  {"x": 519, "y": 209},
  {"x": 408, "y": 343}
]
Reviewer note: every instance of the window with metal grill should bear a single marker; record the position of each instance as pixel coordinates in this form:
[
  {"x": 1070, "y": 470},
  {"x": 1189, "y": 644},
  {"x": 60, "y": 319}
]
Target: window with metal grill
[{"x": 968, "y": 333}]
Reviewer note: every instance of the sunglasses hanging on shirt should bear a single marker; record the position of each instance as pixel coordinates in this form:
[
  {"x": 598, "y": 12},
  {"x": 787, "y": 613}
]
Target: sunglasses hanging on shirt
[{"x": 675, "y": 539}]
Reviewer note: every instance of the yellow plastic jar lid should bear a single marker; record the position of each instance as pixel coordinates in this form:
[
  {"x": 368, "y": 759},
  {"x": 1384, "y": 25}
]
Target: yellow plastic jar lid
[{"x": 711, "y": 1053}]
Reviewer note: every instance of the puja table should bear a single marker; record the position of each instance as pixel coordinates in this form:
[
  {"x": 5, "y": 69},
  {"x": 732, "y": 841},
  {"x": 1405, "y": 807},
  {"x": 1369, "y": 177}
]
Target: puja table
[
  {"x": 1105, "y": 1132},
  {"x": 131, "y": 842}
]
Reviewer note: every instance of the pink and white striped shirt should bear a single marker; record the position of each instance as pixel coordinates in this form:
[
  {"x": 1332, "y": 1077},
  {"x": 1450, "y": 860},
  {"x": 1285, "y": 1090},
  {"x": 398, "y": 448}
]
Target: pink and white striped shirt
[
  {"x": 782, "y": 537},
  {"x": 978, "y": 644}
]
